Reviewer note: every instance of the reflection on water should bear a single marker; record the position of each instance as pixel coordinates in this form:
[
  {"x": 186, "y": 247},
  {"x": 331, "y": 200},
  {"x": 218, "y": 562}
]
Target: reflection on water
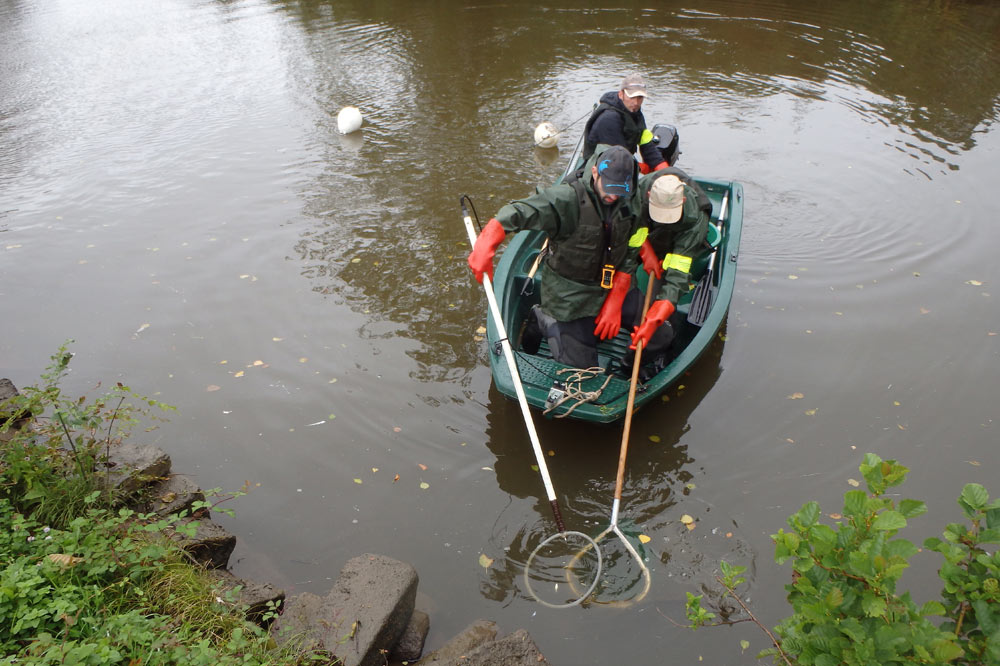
[{"x": 582, "y": 460}]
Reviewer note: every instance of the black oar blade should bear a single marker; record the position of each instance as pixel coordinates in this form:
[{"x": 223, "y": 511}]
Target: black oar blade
[{"x": 701, "y": 302}]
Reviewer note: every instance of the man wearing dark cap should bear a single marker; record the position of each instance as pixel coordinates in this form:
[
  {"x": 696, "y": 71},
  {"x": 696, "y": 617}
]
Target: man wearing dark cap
[
  {"x": 618, "y": 121},
  {"x": 594, "y": 238}
]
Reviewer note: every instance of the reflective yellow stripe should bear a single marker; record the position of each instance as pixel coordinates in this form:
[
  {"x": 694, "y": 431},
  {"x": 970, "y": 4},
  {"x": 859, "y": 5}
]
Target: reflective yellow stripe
[
  {"x": 645, "y": 137},
  {"x": 639, "y": 237},
  {"x": 678, "y": 262}
]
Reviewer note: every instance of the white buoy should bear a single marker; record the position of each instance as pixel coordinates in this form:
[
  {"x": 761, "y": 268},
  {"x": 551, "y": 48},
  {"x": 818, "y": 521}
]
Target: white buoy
[
  {"x": 348, "y": 120},
  {"x": 546, "y": 135}
]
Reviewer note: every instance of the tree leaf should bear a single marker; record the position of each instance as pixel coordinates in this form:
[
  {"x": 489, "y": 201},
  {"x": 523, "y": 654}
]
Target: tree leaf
[
  {"x": 975, "y": 495},
  {"x": 485, "y": 561},
  {"x": 889, "y": 520}
]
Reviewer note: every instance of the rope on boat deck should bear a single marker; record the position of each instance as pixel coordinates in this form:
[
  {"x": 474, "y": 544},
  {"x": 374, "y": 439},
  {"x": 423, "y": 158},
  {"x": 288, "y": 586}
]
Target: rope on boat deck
[{"x": 573, "y": 383}]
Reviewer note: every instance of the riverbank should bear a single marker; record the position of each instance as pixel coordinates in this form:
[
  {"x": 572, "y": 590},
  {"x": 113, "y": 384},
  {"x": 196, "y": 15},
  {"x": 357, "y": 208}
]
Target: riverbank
[{"x": 110, "y": 515}]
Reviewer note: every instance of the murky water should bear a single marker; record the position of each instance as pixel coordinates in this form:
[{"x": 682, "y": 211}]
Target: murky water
[{"x": 174, "y": 196}]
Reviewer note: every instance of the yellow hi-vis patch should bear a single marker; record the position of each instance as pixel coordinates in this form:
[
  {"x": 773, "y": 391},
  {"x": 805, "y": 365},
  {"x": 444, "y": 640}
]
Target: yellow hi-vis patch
[{"x": 678, "y": 262}]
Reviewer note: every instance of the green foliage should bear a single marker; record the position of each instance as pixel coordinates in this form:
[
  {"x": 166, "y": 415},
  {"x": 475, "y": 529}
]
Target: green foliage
[
  {"x": 84, "y": 581},
  {"x": 42, "y": 477},
  {"x": 846, "y": 609}
]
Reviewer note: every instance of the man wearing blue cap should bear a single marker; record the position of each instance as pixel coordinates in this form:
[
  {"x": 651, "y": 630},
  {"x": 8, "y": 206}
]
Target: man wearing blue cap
[{"x": 594, "y": 238}]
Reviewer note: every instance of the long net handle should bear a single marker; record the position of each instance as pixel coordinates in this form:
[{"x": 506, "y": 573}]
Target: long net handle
[
  {"x": 508, "y": 353},
  {"x": 620, "y": 479}
]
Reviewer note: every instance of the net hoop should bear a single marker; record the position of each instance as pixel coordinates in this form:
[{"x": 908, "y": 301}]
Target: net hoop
[{"x": 597, "y": 576}]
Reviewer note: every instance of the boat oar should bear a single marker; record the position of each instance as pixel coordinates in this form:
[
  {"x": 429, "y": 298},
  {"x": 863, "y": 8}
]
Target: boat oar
[
  {"x": 704, "y": 292},
  {"x": 620, "y": 478},
  {"x": 508, "y": 353}
]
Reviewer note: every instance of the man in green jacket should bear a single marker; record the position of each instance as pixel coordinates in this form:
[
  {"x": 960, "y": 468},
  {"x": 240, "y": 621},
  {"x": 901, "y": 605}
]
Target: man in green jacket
[
  {"x": 594, "y": 236},
  {"x": 676, "y": 212}
]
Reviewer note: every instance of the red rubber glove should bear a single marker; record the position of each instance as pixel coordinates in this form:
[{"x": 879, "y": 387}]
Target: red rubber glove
[
  {"x": 481, "y": 257},
  {"x": 650, "y": 261},
  {"x": 662, "y": 165},
  {"x": 609, "y": 319},
  {"x": 644, "y": 168},
  {"x": 659, "y": 312}
]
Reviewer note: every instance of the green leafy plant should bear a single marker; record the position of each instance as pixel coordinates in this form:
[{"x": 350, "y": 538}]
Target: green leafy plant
[
  {"x": 57, "y": 446},
  {"x": 846, "y": 609}
]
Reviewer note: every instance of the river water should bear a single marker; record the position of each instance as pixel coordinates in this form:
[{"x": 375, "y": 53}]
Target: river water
[{"x": 175, "y": 198}]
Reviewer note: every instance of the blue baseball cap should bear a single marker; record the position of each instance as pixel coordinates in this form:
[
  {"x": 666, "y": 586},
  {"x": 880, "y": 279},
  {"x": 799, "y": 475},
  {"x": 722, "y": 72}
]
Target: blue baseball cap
[{"x": 616, "y": 168}]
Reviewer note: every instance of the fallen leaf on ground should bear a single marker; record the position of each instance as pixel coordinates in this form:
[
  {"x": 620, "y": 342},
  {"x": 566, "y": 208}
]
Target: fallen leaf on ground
[{"x": 63, "y": 559}]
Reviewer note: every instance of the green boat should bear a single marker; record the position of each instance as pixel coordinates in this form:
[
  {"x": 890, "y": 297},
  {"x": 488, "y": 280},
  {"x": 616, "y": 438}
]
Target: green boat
[{"x": 602, "y": 397}]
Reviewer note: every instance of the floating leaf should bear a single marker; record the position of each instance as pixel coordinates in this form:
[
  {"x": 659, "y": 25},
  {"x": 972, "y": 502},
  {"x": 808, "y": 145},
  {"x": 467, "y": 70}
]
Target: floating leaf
[
  {"x": 974, "y": 463},
  {"x": 485, "y": 561},
  {"x": 854, "y": 482},
  {"x": 422, "y": 466},
  {"x": 974, "y": 283},
  {"x": 644, "y": 539},
  {"x": 690, "y": 486},
  {"x": 729, "y": 535},
  {"x": 744, "y": 644},
  {"x": 258, "y": 362},
  {"x": 277, "y": 339},
  {"x": 395, "y": 478},
  {"x": 374, "y": 469},
  {"x": 142, "y": 328},
  {"x": 424, "y": 485},
  {"x": 901, "y": 426},
  {"x": 551, "y": 452},
  {"x": 238, "y": 374},
  {"x": 686, "y": 519},
  {"x": 397, "y": 429},
  {"x": 654, "y": 438},
  {"x": 836, "y": 516},
  {"x": 358, "y": 481},
  {"x": 481, "y": 330},
  {"x": 303, "y": 359},
  {"x": 690, "y": 526},
  {"x": 534, "y": 468},
  {"x": 793, "y": 277},
  {"x": 811, "y": 412},
  {"x": 223, "y": 362},
  {"x": 924, "y": 311},
  {"x": 796, "y": 396},
  {"x": 212, "y": 387}
]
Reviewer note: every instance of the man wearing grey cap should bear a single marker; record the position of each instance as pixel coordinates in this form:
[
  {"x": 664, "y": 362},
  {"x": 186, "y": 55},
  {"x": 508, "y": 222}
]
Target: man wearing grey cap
[
  {"x": 618, "y": 121},
  {"x": 594, "y": 236}
]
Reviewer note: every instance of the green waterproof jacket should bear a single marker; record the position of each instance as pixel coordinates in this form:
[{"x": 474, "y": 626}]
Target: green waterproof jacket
[
  {"x": 677, "y": 245},
  {"x": 555, "y": 211}
]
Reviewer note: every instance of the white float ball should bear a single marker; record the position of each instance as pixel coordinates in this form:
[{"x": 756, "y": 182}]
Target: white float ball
[
  {"x": 348, "y": 120},
  {"x": 546, "y": 135}
]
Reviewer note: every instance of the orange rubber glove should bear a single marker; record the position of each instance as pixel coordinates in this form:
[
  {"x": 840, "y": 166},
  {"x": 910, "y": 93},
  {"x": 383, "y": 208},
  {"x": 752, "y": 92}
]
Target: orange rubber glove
[
  {"x": 659, "y": 312},
  {"x": 650, "y": 261},
  {"x": 644, "y": 168},
  {"x": 481, "y": 257},
  {"x": 609, "y": 319},
  {"x": 662, "y": 165}
]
